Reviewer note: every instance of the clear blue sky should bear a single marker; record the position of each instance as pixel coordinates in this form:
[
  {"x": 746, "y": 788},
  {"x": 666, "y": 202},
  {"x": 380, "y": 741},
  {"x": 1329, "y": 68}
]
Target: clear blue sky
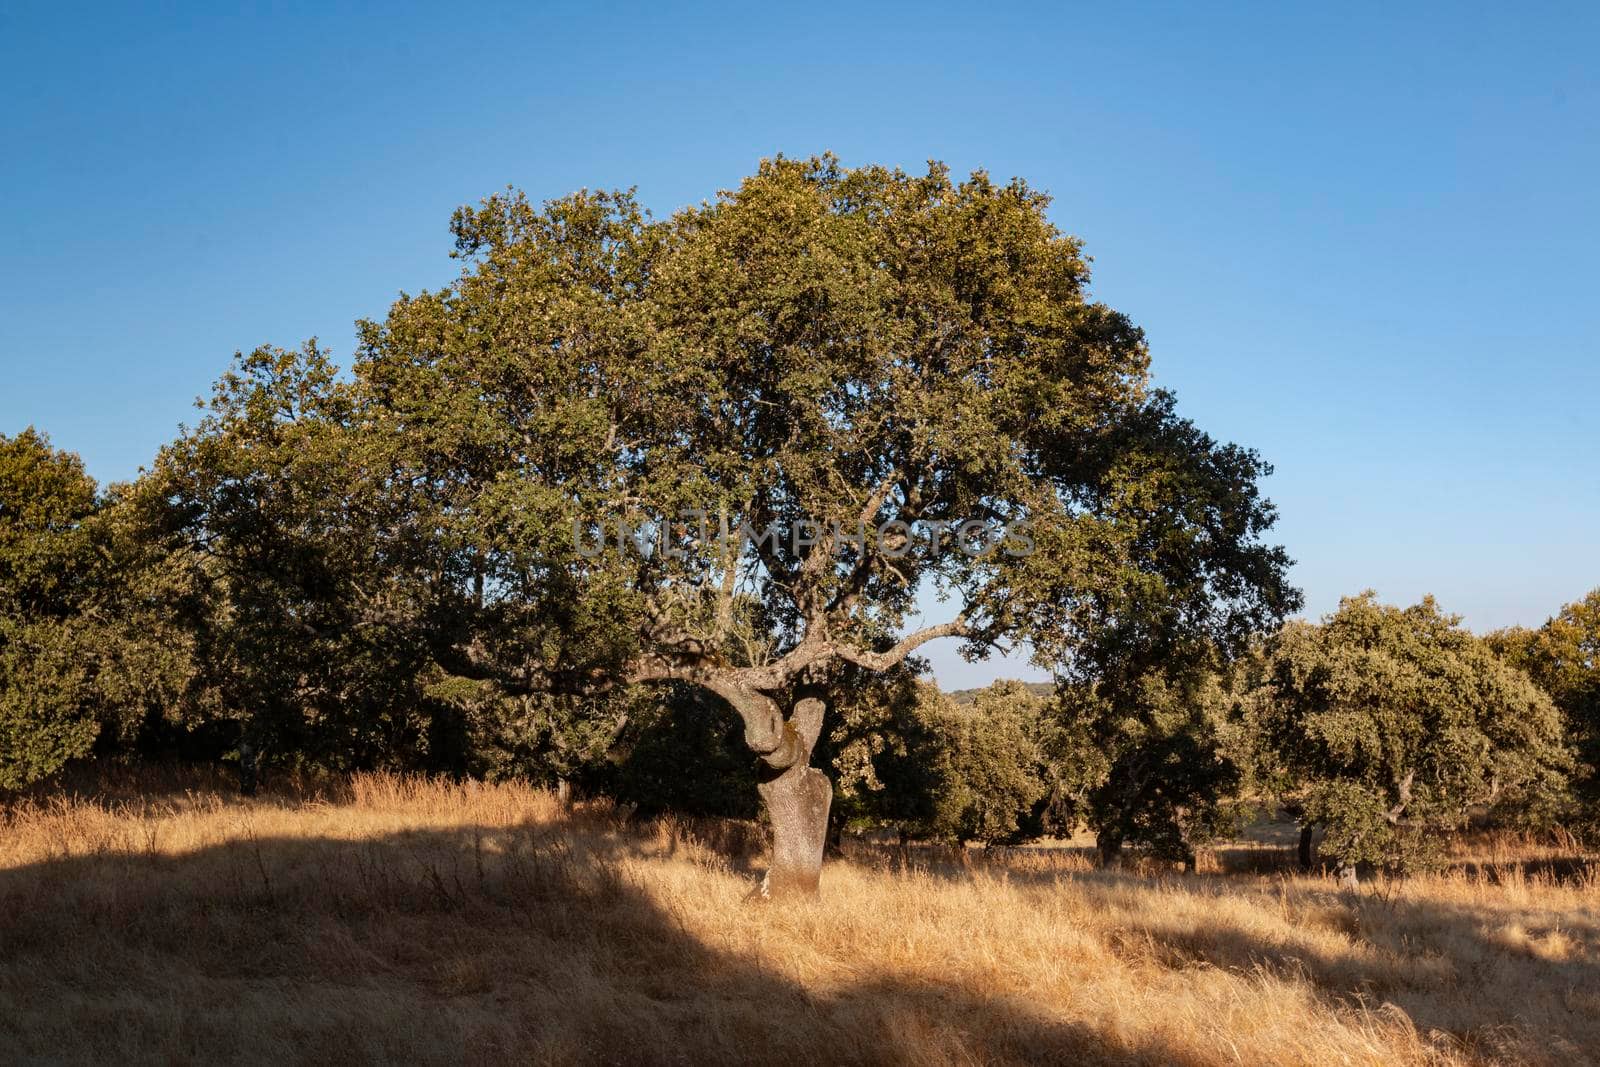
[{"x": 1362, "y": 241}]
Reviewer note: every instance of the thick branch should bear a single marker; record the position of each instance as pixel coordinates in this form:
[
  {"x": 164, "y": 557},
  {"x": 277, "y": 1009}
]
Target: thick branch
[
  {"x": 747, "y": 690},
  {"x": 799, "y": 733},
  {"x": 1403, "y": 788},
  {"x": 882, "y": 661},
  {"x": 869, "y": 510},
  {"x": 763, "y": 720}
]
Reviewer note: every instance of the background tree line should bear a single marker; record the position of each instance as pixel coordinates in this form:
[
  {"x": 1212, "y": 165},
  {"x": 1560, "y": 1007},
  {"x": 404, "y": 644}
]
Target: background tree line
[{"x": 1378, "y": 727}]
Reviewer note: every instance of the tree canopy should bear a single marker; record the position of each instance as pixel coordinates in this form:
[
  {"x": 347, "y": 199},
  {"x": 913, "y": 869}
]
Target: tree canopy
[
  {"x": 822, "y": 350},
  {"x": 1563, "y": 656},
  {"x": 1387, "y": 725},
  {"x": 83, "y": 652}
]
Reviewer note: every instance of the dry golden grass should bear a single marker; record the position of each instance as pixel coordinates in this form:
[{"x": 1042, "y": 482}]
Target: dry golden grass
[{"x": 403, "y": 920}]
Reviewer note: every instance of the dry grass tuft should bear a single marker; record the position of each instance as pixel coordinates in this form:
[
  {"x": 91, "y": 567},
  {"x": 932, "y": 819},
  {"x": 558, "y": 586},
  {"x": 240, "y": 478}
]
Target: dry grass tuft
[{"x": 389, "y": 918}]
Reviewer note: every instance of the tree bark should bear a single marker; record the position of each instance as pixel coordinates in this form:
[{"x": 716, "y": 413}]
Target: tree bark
[
  {"x": 247, "y": 770},
  {"x": 1347, "y": 876},
  {"x": 798, "y": 798},
  {"x": 1306, "y": 854}
]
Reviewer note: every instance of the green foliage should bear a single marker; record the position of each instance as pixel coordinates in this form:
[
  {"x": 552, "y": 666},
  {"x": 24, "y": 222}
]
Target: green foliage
[
  {"x": 47, "y": 713},
  {"x": 476, "y": 729},
  {"x": 1388, "y": 726},
  {"x": 884, "y": 751},
  {"x": 46, "y": 700},
  {"x": 1563, "y": 657},
  {"x": 992, "y": 783},
  {"x": 45, "y": 498},
  {"x": 56, "y": 637},
  {"x": 1145, "y": 760},
  {"x": 910, "y": 758},
  {"x": 87, "y": 651},
  {"x": 269, "y": 512},
  {"x": 680, "y": 750}
]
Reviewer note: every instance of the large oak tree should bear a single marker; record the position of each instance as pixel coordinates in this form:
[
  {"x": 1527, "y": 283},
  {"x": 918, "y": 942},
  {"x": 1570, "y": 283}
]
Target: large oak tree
[{"x": 848, "y": 357}]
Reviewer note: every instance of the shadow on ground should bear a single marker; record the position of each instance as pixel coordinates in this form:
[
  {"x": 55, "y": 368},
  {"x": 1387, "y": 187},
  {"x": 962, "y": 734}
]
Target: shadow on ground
[
  {"x": 1501, "y": 981},
  {"x": 477, "y": 944},
  {"x": 532, "y": 943}
]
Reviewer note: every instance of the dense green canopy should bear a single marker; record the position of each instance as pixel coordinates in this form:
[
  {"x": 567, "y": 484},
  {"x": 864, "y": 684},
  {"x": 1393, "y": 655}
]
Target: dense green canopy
[
  {"x": 1390, "y": 724},
  {"x": 844, "y": 348},
  {"x": 800, "y": 407},
  {"x": 1563, "y": 656}
]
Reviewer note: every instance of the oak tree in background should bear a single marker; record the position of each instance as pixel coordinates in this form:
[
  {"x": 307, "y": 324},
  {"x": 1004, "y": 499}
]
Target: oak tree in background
[
  {"x": 46, "y": 714},
  {"x": 910, "y": 758},
  {"x": 679, "y": 750},
  {"x": 1139, "y": 751},
  {"x": 1148, "y": 759},
  {"x": 994, "y": 781},
  {"x": 82, "y": 652},
  {"x": 270, "y": 511},
  {"x": 884, "y": 751},
  {"x": 1563, "y": 657},
  {"x": 1387, "y": 725}
]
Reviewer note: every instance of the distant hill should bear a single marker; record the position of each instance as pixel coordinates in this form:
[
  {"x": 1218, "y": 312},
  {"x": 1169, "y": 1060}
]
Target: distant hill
[{"x": 967, "y": 696}]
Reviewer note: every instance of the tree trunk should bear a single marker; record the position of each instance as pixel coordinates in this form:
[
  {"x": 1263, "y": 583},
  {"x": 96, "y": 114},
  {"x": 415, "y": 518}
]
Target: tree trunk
[
  {"x": 835, "y": 833},
  {"x": 1110, "y": 846},
  {"x": 1306, "y": 855},
  {"x": 1347, "y": 876},
  {"x": 798, "y": 799},
  {"x": 247, "y": 770}
]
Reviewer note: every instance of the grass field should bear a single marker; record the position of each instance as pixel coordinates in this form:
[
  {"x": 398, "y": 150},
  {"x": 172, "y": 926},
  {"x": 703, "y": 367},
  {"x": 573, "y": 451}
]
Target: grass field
[{"x": 403, "y": 920}]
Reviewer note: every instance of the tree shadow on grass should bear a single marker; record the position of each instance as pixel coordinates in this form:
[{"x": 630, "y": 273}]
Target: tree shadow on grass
[
  {"x": 1495, "y": 979},
  {"x": 1498, "y": 982},
  {"x": 476, "y": 943}
]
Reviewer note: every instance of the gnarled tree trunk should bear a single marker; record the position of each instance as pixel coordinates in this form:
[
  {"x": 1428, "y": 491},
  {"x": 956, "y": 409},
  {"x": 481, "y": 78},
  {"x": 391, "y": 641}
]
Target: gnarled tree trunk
[
  {"x": 798, "y": 799},
  {"x": 798, "y": 796}
]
